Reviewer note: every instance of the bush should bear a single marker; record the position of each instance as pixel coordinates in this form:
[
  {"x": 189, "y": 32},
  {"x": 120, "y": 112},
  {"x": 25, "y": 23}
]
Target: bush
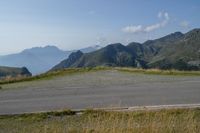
[{"x": 61, "y": 113}]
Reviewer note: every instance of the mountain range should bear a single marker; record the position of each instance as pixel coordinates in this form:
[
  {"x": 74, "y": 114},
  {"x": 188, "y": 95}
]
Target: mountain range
[
  {"x": 174, "y": 51},
  {"x": 39, "y": 59}
]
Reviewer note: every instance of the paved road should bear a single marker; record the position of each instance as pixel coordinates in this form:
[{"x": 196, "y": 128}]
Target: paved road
[{"x": 98, "y": 89}]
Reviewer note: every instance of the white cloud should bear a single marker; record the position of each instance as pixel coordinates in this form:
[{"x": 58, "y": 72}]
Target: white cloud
[
  {"x": 152, "y": 27},
  {"x": 166, "y": 15},
  {"x": 139, "y": 28},
  {"x": 132, "y": 29},
  {"x": 160, "y": 14},
  {"x": 101, "y": 40},
  {"x": 184, "y": 24}
]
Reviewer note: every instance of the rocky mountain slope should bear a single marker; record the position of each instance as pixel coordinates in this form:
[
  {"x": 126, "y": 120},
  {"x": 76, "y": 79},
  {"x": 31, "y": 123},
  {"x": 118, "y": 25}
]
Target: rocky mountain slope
[{"x": 174, "y": 51}]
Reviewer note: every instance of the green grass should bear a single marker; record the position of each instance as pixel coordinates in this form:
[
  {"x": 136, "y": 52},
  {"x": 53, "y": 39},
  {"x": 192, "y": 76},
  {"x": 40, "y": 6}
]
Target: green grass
[
  {"x": 71, "y": 71},
  {"x": 165, "y": 121}
]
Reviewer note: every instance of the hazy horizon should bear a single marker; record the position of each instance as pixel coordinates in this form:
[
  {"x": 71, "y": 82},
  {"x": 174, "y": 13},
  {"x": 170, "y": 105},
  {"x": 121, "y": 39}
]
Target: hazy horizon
[
  {"x": 70, "y": 24},
  {"x": 64, "y": 49}
]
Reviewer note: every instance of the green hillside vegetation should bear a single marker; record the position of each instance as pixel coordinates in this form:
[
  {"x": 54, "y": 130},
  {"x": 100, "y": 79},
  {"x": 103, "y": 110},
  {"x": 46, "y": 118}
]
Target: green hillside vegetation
[
  {"x": 165, "y": 121},
  {"x": 183, "y": 54},
  {"x": 174, "y": 51}
]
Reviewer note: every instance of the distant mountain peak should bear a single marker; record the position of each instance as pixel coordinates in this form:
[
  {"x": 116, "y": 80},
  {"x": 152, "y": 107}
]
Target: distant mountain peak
[
  {"x": 40, "y": 59},
  {"x": 169, "y": 37},
  {"x": 50, "y": 47},
  {"x": 115, "y": 46},
  {"x": 45, "y": 48},
  {"x": 195, "y": 30},
  {"x": 193, "y": 33}
]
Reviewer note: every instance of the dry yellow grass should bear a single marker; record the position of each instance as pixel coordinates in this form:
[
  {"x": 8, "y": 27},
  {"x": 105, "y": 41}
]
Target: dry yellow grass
[
  {"x": 163, "y": 121},
  {"x": 159, "y": 71}
]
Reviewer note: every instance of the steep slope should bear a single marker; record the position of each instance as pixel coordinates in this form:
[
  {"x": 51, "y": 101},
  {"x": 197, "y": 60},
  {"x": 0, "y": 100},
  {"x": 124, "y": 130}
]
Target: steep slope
[
  {"x": 143, "y": 52},
  {"x": 111, "y": 55},
  {"x": 154, "y": 47},
  {"x": 183, "y": 54},
  {"x": 68, "y": 62},
  {"x": 13, "y": 72}
]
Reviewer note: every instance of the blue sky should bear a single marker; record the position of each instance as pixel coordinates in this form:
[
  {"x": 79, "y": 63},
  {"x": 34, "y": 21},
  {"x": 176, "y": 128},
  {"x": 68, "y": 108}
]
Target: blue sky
[{"x": 74, "y": 24}]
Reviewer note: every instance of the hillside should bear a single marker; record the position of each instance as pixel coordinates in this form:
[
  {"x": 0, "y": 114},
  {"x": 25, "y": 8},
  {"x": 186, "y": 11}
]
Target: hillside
[
  {"x": 13, "y": 72},
  {"x": 111, "y": 55},
  {"x": 68, "y": 62},
  {"x": 174, "y": 51},
  {"x": 183, "y": 54}
]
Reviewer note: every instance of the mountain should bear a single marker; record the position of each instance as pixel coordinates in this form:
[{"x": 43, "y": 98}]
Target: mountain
[
  {"x": 182, "y": 54},
  {"x": 111, "y": 55},
  {"x": 39, "y": 59},
  {"x": 13, "y": 72},
  {"x": 68, "y": 62},
  {"x": 174, "y": 51}
]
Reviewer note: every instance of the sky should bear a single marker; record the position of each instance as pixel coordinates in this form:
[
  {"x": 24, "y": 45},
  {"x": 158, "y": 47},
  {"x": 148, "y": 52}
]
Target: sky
[{"x": 75, "y": 24}]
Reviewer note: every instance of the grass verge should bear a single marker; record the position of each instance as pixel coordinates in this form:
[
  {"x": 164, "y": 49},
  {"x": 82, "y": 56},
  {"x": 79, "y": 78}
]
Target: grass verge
[
  {"x": 159, "y": 71},
  {"x": 165, "y": 121},
  {"x": 70, "y": 71}
]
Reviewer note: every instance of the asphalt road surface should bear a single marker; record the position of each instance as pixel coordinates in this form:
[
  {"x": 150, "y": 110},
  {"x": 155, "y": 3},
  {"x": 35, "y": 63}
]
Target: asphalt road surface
[{"x": 109, "y": 88}]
